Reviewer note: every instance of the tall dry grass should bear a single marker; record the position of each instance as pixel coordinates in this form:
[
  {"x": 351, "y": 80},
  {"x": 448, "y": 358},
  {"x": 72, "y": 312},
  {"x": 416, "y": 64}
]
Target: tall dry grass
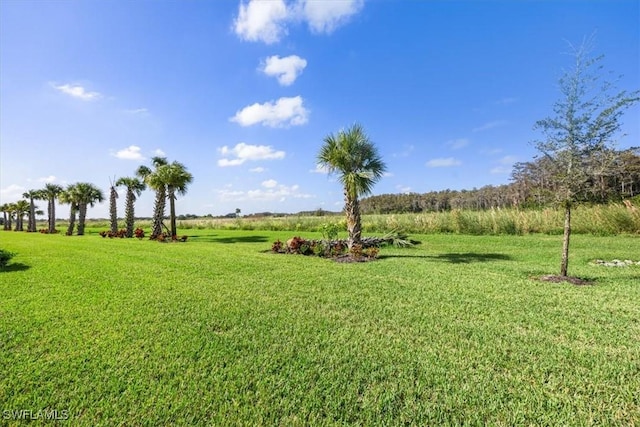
[{"x": 597, "y": 220}]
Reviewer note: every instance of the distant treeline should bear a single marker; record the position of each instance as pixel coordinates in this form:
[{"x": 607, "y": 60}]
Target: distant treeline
[{"x": 531, "y": 187}]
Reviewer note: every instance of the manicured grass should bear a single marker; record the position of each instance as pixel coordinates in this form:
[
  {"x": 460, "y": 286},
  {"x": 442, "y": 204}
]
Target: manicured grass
[{"x": 219, "y": 331}]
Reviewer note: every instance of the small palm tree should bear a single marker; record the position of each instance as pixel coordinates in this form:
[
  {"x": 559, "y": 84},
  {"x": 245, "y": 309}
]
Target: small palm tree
[
  {"x": 6, "y": 215},
  {"x": 176, "y": 178},
  {"x": 152, "y": 180},
  {"x": 87, "y": 195},
  {"x": 32, "y": 195},
  {"x": 69, "y": 196},
  {"x": 135, "y": 187},
  {"x": 355, "y": 159},
  {"x": 21, "y": 208},
  {"x": 50, "y": 193}
]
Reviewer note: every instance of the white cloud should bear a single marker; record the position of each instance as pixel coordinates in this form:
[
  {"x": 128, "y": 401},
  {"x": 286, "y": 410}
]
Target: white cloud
[
  {"x": 273, "y": 192},
  {"x": 262, "y": 20},
  {"x": 77, "y": 91},
  {"x": 403, "y": 189},
  {"x": 456, "y": 144},
  {"x": 319, "y": 169},
  {"x": 406, "y": 152},
  {"x": 158, "y": 152},
  {"x": 268, "y": 21},
  {"x": 505, "y": 165},
  {"x": 259, "y": 169},
  {"x": 243, "y": 152},
  {"x": 47, "y": 179},
  {"x": 326, "y": 16},
  {"x": 443, "y": 162},
  {"x": 137, "y": 111},
  {"x": 286, "y": 69},
  {"x": 490, "y": 125},
  {"x": 12, "y": 192},
  {"x": 132, "y": 152},
  {"x": 281, "y": 113}
]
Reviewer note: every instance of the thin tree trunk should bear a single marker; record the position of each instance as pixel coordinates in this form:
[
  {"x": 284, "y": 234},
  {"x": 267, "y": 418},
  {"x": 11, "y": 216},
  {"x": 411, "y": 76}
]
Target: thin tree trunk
[
  {"x": 6, "y": 225},
  {"x": 354, "y": 226},
  {"x": 81, "y": 218},
  {"x": 172, "y": 212},
  {"x": 565, "y": 241},
  {"x": 129, "y": 214}
]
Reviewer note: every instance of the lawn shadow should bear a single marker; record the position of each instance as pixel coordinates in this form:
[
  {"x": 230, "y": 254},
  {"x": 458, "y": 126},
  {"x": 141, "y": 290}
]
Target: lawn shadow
[
  {"x": 469, "y": 257},
  {"x": 235, "y": 239},
  {"x": 16, "y": 266}
]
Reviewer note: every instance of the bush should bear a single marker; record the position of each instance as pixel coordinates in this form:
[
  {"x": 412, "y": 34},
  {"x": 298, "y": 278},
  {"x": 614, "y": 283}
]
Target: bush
[{"x": 5, "y": 257}]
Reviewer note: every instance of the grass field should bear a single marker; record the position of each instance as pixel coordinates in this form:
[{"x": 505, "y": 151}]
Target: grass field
[{"x": 219, "y": 331}]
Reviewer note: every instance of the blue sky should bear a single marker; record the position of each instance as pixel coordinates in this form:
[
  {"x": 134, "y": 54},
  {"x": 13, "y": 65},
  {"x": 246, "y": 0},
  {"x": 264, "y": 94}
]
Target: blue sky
[{"x": 243, "y": 93}]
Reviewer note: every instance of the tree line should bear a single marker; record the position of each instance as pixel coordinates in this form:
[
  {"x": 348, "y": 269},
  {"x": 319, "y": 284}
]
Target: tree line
[{"x": 532, "y": 186}]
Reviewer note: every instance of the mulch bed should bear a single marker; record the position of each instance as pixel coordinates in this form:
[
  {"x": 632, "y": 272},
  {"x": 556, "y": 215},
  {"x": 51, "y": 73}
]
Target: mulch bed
[{"x": 560, "y": 279}]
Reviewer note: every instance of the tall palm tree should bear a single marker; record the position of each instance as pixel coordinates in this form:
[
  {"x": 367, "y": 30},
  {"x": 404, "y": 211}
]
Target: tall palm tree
[
  {"x": 153, "y": 181},
  {"x": 355, "y": 159},
  {"x": 21, "y": 208},
  {"x": 69, "y": 196},
  {"x": 135, "y": 187},
  {"x": 87, "y": 195},
  {"x": 32, "y": 195},
  {"x": 50, "y": 193},
  {"x": 176, "y": 178}
]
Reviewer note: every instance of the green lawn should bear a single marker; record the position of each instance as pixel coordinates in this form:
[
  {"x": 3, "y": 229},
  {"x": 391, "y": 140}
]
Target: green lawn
[{"x": 219, "y": 331}]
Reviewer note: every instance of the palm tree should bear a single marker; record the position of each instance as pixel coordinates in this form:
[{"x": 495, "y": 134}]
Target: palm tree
[
  {"x": 176, "y": 178},
  {"x": 21, "y": 207},
  {"x": 32, "y": 195},
  {"x": 69, "y": 196},
  {"x": 86, "y": 195},
  {"x": 135, "y": 187},
  {"x": 152, "y": 180},
  {"x": 9, "y": 210},
  {"x": 355, "y": 159},
  {"x": 6, "y": 216},
  {"x": 50, "y": 193}
]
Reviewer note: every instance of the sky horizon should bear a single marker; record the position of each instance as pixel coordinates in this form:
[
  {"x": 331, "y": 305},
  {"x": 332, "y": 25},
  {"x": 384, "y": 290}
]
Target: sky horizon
[{"x": 244, "y": 92}]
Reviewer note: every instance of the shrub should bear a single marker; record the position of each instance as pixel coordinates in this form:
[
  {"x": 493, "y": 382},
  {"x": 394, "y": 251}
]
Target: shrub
[{"x": 5, "y": 257}]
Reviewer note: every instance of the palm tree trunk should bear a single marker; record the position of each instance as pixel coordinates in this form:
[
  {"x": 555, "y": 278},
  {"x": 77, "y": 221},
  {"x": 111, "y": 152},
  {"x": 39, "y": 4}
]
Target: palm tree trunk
[
  {"x": 158, "y": 213},
  {"x": 354, "y": 226},
  {"x": 31, "y": 227},
  {"x": 5, "y": 223},
  {"x": 82, "y": 208},
  {"x": 52, "y": 215},
  {"x": 172, "y": 211},
  {"x": 565, "y": 241},
  {"x": 72, "y": 219},
  {"x": 113, "y": 210},
  {"x": 129, "y": 214}
]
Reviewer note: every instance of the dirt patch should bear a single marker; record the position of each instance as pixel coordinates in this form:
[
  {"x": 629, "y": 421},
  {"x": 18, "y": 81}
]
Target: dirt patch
[{"x": 560, "y": 279}]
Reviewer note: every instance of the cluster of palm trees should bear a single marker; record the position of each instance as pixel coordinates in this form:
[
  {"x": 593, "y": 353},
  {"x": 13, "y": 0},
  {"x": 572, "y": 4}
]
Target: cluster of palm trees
[{"x": 167, "y": 179}]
